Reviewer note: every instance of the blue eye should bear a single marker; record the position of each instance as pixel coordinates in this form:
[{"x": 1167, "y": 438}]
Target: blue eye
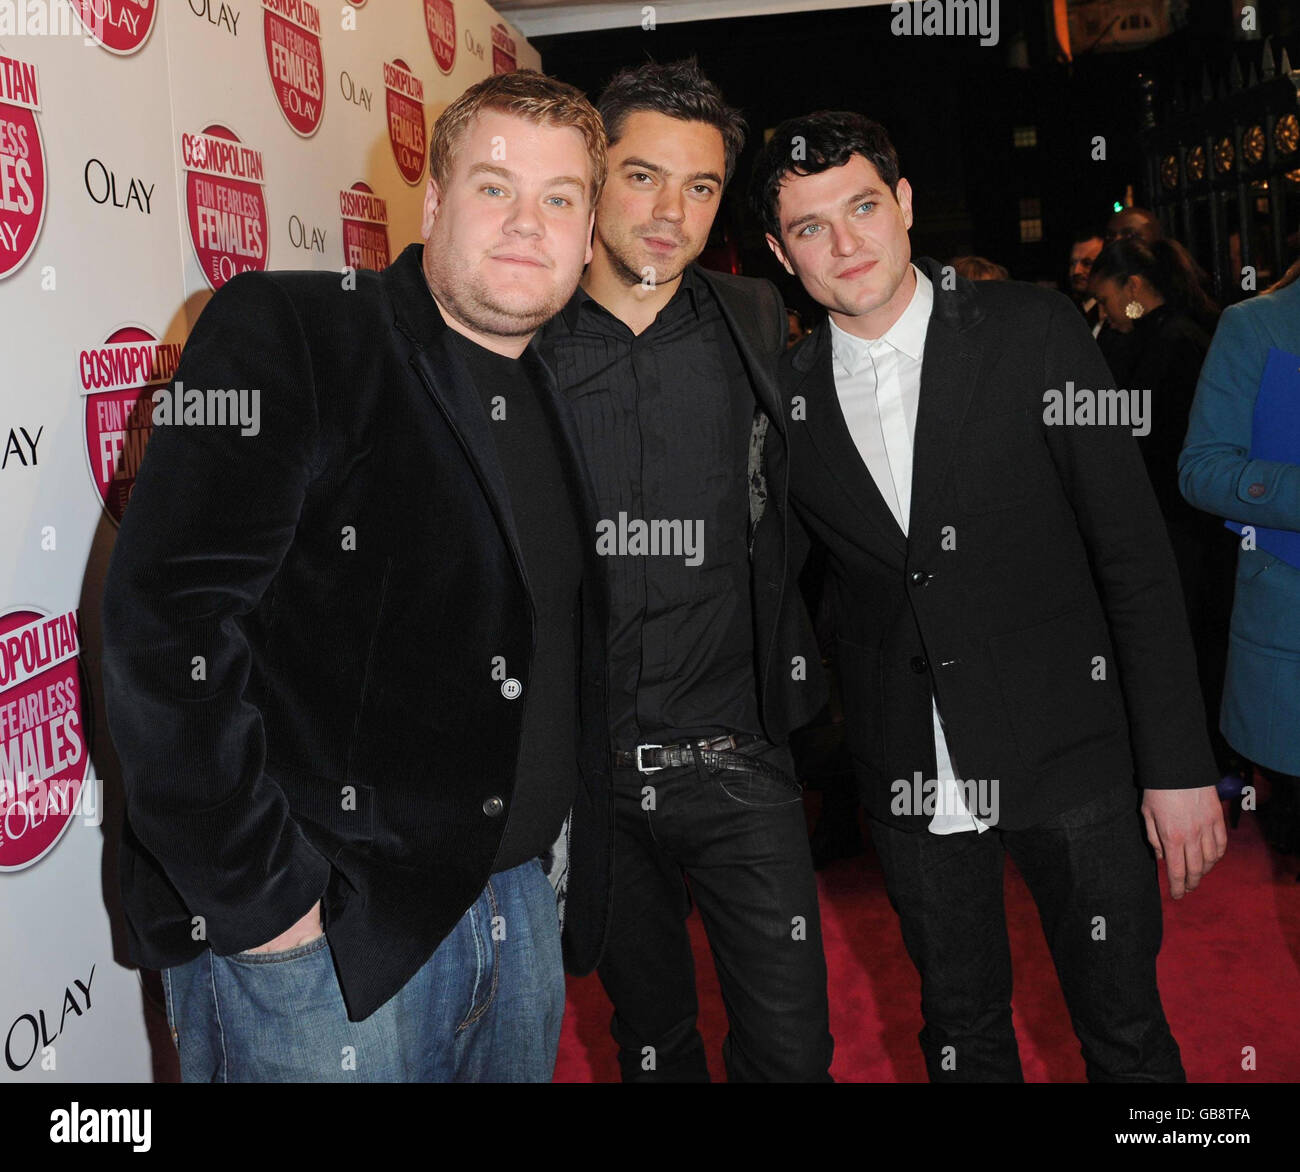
[
  {"x": 866, "y": 203},
  {"x": 489, "y": 189},
  {"x": 559, "y": 201},
  {"x": 809, "y": 229}
]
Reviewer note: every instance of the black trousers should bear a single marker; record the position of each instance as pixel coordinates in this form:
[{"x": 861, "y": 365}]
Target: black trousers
[
  {"x": 741, "y": 840},
  {"x": 1093, "y": 878}
]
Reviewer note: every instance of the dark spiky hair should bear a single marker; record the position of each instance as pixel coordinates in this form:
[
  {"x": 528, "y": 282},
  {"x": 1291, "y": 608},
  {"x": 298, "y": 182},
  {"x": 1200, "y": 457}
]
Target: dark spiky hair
[
  {"x": 677, "y": 90},
  {"x": 811, "y": 144}
]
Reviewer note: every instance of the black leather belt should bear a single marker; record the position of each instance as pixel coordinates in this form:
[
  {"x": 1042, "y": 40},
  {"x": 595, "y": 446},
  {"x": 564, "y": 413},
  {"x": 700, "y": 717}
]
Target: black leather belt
[{"x": 712, "y": 752}]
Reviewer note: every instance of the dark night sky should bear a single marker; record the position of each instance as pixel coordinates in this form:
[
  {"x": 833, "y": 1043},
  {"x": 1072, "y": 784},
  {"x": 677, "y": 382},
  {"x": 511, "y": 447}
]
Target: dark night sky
[{"x": 949, "y": 105}]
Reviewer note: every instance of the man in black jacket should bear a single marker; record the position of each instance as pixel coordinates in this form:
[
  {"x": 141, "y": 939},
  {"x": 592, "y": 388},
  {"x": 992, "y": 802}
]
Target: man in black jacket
[
  {"x": 353, "y": 651},
  {"x": 1011, "y": 635},
  {"x": 671, "y": 374}
]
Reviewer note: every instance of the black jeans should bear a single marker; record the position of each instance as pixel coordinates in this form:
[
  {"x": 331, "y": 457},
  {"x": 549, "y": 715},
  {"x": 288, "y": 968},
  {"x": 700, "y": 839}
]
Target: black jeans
[
  {"x": 1093, "y": 877},
  {"x": 741, "y": 840}
]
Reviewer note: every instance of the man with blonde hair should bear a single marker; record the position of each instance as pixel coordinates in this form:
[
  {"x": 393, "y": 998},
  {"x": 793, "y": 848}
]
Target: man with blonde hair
[{"x": 354, "y": 660}]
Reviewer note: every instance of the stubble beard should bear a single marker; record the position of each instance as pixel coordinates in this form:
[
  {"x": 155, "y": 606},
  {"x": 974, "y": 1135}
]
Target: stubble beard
[{"x": 625, "y": 265}]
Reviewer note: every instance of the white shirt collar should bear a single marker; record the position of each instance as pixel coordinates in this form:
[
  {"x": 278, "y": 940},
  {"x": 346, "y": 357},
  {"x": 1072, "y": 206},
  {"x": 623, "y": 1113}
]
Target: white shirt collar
[{"x": 907, "y": 334}]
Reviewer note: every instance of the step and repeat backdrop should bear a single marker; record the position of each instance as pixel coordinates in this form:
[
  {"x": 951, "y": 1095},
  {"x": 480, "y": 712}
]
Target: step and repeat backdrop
[{"x": 149, "y": 151}]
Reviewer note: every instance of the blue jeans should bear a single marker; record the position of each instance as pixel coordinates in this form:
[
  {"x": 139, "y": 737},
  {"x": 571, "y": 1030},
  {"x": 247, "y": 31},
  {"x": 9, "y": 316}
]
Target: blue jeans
[{"x": 485, "y": 1007}]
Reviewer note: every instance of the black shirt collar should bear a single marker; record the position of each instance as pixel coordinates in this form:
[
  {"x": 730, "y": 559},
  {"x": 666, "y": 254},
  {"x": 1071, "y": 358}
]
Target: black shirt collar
[{"x": 688, "y": 299}]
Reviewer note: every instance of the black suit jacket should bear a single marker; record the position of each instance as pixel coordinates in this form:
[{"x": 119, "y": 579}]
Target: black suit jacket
[
  {"x": 787, "y": 664},
  {"x": 300, "y": 632},
  {"x": 1056, "y": 555}
]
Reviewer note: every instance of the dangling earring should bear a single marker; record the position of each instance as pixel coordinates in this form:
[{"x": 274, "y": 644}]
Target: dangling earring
[{"x": 1134, "y": 310}]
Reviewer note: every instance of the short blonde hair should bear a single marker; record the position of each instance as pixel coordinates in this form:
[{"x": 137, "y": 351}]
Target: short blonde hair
[{"x": 526, "y": 94}]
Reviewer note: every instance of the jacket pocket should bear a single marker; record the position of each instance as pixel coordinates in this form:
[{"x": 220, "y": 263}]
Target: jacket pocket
[
  {"x": 1052, "y": 702},
  {"x": 1266, "y": 604},
  {"x": 344, "y": 808}
]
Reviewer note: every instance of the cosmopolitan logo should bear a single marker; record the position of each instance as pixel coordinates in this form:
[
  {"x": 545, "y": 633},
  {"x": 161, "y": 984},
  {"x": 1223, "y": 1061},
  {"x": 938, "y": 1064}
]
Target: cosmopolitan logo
[
  {"x": 440, "y": 20},
  {"x": 39, "y": 643},
  {"x": 658, "y": 538},
  {"x": 405, "y": 106},
  {"x": 118, "y": 366},
  {"x": 293, "y": 56},
  {"x": 22, "y": 165},
  {"x": 226, "y": 204},
  {"x": 365, "y": 228},
  {"x": 298, "y": 11},
  {"x": 224, "y": 157},
  {"x": 504, "y": 57},
  {"x": 42, "y": 743},
  {"x": 117, "y": 380}
]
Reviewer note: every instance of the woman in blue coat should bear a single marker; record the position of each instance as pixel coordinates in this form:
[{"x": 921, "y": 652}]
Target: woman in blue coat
[{"x": 1260, "y": 716}]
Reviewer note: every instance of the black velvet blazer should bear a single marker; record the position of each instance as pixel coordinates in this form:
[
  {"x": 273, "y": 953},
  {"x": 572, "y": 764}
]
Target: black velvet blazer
[{"x": 313, "y": 637}]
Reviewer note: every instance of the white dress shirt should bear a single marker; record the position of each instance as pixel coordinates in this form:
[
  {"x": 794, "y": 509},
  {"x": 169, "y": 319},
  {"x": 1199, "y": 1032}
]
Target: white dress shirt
[{"x": 878, "y": 384}]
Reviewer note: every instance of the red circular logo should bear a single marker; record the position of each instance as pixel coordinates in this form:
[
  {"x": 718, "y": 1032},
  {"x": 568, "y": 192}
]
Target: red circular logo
[
  {"x": 43, "y": 750},
  {"x": 404, "y": 94},
  {"x": 22, "y": 165},
  {"x": 293, "y": 55},
  {"x": 118, "y": 380},
  {"x": 120, "y": 26},
  {"x": 504, "y": 55},
  {"x": 226, "y": 203},
  {"x": 365, "y": 228},
  {"x": 440, "y": 20}
]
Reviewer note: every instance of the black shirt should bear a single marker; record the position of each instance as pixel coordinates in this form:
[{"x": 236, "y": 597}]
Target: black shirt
[
  {"x": 665, "y": 420},
  {"x": 550, "y": 540}
]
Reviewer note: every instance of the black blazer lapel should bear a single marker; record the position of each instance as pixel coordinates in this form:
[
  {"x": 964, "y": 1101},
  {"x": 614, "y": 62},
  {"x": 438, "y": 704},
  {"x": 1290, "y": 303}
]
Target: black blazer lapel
[
  {"x": 742, "y": 314},
  {"x": 830, "y": 435},
  {"x": 447, "y": 381},
  {"x": 950, "y": 369}
]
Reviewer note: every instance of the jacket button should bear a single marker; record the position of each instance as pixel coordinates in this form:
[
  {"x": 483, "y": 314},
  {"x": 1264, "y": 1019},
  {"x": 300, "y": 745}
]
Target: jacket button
[
  {"x": 1257, "y": 490},
  {"x": 920, "y": 577},
  {"x": 493, "y": 806},
  {"x": 919, "y": 664},
  {"x": 511, "y": 688}
]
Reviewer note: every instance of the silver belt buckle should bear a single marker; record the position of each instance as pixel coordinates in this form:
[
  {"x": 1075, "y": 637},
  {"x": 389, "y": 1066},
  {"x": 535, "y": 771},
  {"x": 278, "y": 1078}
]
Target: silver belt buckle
[{"x": 646, "y": 768}]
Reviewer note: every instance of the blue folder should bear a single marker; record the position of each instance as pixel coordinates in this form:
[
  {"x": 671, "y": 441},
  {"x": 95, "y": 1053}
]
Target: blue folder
[{"x": 1275, "y": 435}]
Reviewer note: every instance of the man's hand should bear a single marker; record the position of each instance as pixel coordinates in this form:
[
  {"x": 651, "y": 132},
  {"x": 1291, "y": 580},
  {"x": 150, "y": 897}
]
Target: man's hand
[
  {"x": 1185, "y": 826},
  {"x": 304, "y": 931}
]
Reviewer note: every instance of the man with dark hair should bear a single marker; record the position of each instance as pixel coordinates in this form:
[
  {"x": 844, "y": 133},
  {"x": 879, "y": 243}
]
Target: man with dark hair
[
  {"x": 671, "y": 373},
  {"x": 1084, "y": 249},
  {"x": 1011, "y": 636},
  {"x": 354, "y": 661}
]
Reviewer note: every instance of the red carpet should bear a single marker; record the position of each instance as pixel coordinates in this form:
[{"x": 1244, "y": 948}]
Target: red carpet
[{"x": 1229, "y": 977}]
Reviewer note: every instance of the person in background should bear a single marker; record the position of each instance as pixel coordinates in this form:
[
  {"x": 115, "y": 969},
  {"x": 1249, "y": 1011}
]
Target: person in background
[
  {"x": 1087, "y": 244},
  {"x": 980, "y": 268},
  {"x": 1260, "y": 714},
  {"x": 1150, "y": 293}
]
